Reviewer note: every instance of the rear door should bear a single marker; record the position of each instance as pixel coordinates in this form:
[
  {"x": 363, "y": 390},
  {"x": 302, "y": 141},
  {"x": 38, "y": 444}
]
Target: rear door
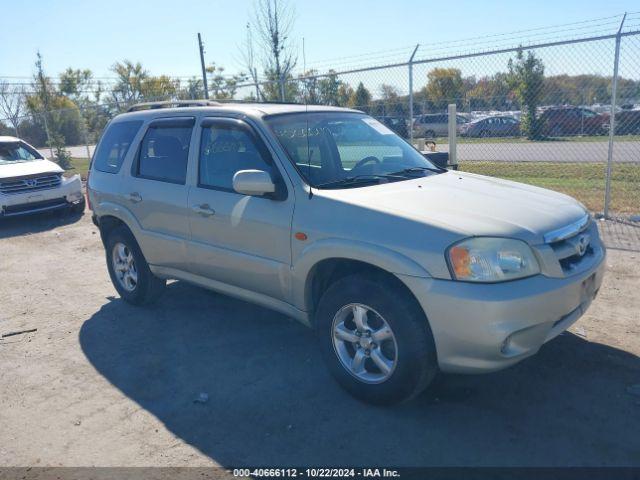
[
  {"x": 156, "y": 191},
  {"x": 238, "y": 239}
]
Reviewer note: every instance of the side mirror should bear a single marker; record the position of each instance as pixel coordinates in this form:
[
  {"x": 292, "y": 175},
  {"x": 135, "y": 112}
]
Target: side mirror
[{"x": 253, "y": 182}]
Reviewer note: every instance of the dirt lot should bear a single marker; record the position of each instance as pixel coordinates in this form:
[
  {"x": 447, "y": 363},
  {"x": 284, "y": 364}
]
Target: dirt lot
[{"x": 104, "y": 383}]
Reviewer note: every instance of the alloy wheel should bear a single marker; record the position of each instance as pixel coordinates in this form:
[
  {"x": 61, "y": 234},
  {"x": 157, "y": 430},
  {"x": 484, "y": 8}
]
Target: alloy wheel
[
  {"x": 364, "y": 343},
  {"x": 124, "y": 266}
]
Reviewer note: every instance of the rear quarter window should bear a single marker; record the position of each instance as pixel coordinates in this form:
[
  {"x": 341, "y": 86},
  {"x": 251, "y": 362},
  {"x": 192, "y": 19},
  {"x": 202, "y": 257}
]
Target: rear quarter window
[{"x": 114, "y": 146}]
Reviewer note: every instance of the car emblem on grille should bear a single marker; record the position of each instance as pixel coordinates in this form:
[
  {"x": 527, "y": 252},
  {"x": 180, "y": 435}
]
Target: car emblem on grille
[
  {"x": 31, "y": 182},
  {"x": 583, "y": 243}
]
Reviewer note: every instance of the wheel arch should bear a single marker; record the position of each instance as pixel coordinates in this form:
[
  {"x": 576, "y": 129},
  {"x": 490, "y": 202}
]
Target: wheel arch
[
  {"x": 111, "y": 216},
  {"x": 328, "y": 271}
]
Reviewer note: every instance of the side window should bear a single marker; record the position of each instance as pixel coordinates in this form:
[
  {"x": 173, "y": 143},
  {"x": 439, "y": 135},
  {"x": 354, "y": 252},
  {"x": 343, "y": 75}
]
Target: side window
[
  {"x": 226, "y": 148},
  {"x": 114, "y": 146},
  {"x": 164, "y": 151}
]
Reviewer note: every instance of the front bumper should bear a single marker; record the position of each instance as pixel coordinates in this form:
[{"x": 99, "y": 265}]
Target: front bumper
[
  {"x": 68, "y": 193},
  {"x": 486, "y": 327}
]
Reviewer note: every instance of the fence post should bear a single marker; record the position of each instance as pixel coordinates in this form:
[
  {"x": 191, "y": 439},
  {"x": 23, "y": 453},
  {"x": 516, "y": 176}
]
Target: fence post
[
  {"x": 453, "y": 141},
  {"x": 410, "y": 124},
  {"x": 612, "y": 123}
]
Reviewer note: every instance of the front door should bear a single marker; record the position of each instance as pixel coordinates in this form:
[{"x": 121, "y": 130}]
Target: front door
[{"x": 238, "y": 239}]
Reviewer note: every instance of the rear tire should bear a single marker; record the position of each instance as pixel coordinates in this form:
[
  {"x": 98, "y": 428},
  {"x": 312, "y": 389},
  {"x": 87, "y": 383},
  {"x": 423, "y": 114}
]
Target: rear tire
[
  {"x": 409, "y": 355},
  {"x": 128, "y": 269}
]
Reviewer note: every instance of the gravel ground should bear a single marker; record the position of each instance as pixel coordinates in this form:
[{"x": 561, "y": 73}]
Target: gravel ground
[{"x": 107, "y": 384}]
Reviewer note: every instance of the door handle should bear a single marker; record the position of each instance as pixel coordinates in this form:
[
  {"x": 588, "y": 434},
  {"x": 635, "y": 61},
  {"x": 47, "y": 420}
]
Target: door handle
[
  {"x": 203, "y": 209},
  {"x": 135, "y": 197}
]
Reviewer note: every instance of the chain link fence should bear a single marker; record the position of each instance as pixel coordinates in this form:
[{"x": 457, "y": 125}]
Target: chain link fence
[{"x": 561, "y": 112}]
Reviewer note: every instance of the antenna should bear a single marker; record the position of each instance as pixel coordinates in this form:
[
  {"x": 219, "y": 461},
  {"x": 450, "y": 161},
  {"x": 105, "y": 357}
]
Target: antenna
[{"x": 306, "y": 115}]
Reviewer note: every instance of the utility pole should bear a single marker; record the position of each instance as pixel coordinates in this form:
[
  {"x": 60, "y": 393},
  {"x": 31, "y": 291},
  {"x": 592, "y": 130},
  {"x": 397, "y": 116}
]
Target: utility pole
[{"x": 204, "y": 71}]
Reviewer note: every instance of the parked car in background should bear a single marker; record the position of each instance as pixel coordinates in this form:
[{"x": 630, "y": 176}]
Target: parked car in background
[
  {"x": 395, "y": 123},
  {"x": 434, "y": 125},
  {"x": 402, "y": 268},
  {"x": 628, "y": 122},
  {"x": 562, "y": 121},
  {"x": 29, "y": 183},
  {"x": 499, "y": 126}
]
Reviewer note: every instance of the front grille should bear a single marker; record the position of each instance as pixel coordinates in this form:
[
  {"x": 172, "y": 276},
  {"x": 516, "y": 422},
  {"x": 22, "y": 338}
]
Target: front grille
[
  {"x": 30, "y": 184},
  {"x": 571, "y": 252},
  {"x": 569, "y": 264}
]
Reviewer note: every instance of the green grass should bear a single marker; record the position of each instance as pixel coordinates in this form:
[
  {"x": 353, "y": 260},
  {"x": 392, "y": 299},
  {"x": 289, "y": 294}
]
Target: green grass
[
  {"x": 79, "y": 166},
  {"x": 592, "y": 138},
  {"x": 583, "y": 181}
]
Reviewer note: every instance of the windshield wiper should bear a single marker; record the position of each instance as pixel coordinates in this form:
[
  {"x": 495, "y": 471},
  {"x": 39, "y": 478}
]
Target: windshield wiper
[
  {"x": 358, "y": 180},
  {"x": 417, "y": 170}
]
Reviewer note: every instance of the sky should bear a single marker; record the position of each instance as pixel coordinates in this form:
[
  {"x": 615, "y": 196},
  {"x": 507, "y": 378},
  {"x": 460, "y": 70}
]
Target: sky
[{"x": 161, "y": 34}]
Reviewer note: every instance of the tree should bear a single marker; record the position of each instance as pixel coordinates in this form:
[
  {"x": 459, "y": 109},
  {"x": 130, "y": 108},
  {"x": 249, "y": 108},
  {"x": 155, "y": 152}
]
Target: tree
[
  {"x": 193, "y": 90},
  {"x": 490, "y": 93},
  {"x": 391, "y": 102},
  {"x": 76, "y": 84},
  {"x": 54, "y": 114},
  {"x": 274, "y": 22},
  {"x": 221, "y": 86},
  {"x": 128, "y": 87},
  {"x": 361, "y": 98},
  {"x": 344, "y": 94},
  {"x": 80, "y": 87},
  {"x": 276, "y": 89},
  {"x": 135, "y": 84},
  {"x": 4, "y": 130},
  {"x": 333, "y": 91},
  {"x": 12, "y": 104},
  {"x": 160, "y": 87},
  {"x": 526, "y": 79},
  {"x": 310, "y": 88},
  {"x": 444, "y": 86},
  {"x": 249, "y": 60}
]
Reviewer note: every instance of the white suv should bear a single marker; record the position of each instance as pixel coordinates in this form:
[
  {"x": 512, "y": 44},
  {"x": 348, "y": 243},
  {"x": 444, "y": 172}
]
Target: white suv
[
  {"x": 30, "y": 184},
  {"x": 326, "y": 215}
]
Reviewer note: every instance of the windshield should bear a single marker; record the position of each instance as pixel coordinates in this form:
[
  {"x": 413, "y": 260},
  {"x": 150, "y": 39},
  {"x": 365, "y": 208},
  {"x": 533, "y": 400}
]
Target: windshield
[
  {"x": 12, "y": 152},
  {"x": 345, "y": 150}
]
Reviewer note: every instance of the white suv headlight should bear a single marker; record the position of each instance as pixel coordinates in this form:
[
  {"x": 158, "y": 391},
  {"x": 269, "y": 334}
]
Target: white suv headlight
[{"x": 491, "y": 259}]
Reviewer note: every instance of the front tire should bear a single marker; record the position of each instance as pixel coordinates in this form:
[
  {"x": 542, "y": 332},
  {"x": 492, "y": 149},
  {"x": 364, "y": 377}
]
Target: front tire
[
  {"x": 128, "y": 269},
  {"x": 375, "y": 339}
]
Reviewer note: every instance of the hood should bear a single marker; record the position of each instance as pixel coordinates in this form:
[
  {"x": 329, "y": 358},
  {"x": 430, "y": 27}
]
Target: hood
[
  {"x": 470, "y": 205},
  {"x": 31, "y": 167}
]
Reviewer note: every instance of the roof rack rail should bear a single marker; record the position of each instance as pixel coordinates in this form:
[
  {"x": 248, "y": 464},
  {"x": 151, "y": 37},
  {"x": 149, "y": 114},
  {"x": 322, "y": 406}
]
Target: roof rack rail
[{"x": 171, "y": 104}]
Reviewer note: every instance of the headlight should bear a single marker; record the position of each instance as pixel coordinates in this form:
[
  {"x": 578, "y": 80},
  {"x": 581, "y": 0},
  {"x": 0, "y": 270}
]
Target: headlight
[{"x": 489, "y": 259}]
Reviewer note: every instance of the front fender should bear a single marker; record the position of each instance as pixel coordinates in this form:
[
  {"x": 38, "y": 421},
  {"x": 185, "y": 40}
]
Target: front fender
[{"x": 335, "y": 248}]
